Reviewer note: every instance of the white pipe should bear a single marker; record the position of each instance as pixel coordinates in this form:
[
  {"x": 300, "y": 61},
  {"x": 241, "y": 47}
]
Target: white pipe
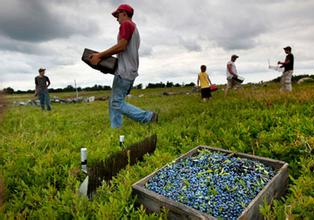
[
  {"x": 121, "y": 139},
  {"x": 84, "y": 159}
]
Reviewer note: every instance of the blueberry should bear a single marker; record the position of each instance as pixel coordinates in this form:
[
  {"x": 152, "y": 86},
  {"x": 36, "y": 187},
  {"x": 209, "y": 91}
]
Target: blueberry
[{"x": 213, "y": 182}]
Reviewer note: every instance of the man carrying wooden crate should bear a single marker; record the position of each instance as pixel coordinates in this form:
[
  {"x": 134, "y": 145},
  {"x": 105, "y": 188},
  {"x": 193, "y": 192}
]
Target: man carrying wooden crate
[{"x": 127, "y": 70}]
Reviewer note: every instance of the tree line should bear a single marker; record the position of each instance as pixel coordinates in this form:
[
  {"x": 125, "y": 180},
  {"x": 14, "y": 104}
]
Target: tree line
[
  {"x": 294, "y": 78},
  {"x": 96, "y": 87}
]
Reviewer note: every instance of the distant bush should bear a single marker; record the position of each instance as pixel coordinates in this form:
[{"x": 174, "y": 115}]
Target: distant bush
[{"x": 295, "y": 78}]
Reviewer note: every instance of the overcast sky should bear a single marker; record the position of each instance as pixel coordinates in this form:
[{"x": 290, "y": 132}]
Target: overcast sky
[{"x": 177, "y": 37}]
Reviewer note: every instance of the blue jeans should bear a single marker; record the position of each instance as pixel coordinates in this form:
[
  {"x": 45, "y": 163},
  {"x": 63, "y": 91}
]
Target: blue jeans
[
  {"x": 44, "y": 100},
  {"x": 118, "y": 107}
]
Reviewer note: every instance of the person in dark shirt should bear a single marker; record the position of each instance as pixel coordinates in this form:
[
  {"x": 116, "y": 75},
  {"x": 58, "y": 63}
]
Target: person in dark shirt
[
  {"x": 288, "y": 70},
  {"x": 42, "y": 82}
]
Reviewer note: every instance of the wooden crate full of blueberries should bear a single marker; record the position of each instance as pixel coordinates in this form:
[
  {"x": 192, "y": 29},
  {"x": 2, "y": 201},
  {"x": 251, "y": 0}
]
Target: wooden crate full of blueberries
[{"x": 213, "y": 183}]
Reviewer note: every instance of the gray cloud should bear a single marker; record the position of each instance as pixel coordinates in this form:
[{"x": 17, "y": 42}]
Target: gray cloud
[
  {"x": 227, "y": 24},
  {"x": 35, "y": 21},
  {"x": 7, "y": 44},
  {"x": 190, "y": 44},
  {"x": 146, "y": 51},
  {"x": 176, "y": 38}
]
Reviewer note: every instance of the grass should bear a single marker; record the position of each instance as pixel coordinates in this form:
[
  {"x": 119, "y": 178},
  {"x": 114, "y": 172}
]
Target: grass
[{"x": 40, "y": 151}]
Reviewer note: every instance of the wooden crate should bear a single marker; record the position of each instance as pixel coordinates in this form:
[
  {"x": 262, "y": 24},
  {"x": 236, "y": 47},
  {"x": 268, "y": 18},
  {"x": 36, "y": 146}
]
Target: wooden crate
[{"x": 275, "y": 188}]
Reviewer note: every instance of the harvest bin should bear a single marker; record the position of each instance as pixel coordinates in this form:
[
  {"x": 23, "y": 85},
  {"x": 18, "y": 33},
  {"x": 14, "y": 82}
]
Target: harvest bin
[{"x": 275, "y": 188}]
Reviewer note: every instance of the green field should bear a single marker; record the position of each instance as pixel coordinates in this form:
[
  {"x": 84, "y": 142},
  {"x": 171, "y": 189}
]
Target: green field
[{"x": 40, "y": 151}]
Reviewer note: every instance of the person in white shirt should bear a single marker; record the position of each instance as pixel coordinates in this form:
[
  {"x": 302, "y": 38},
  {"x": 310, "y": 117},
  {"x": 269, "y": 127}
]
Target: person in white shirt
[{"x": 232, "y": 74}]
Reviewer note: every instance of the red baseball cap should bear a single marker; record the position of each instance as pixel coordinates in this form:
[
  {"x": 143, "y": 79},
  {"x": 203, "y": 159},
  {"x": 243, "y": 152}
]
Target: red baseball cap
[{"x": 123, "y": 7}]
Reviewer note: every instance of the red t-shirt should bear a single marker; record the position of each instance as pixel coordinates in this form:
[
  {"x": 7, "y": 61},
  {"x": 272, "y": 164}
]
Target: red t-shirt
[{"x": 126, "y": 30}]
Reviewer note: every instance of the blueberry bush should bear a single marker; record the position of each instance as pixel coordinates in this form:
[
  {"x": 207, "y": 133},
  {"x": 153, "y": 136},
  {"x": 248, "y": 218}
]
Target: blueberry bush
[{"x": 40, "y": 151}]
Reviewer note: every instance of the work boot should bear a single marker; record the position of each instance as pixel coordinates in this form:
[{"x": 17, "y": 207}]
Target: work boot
[{"x": 154, "y": 117}]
